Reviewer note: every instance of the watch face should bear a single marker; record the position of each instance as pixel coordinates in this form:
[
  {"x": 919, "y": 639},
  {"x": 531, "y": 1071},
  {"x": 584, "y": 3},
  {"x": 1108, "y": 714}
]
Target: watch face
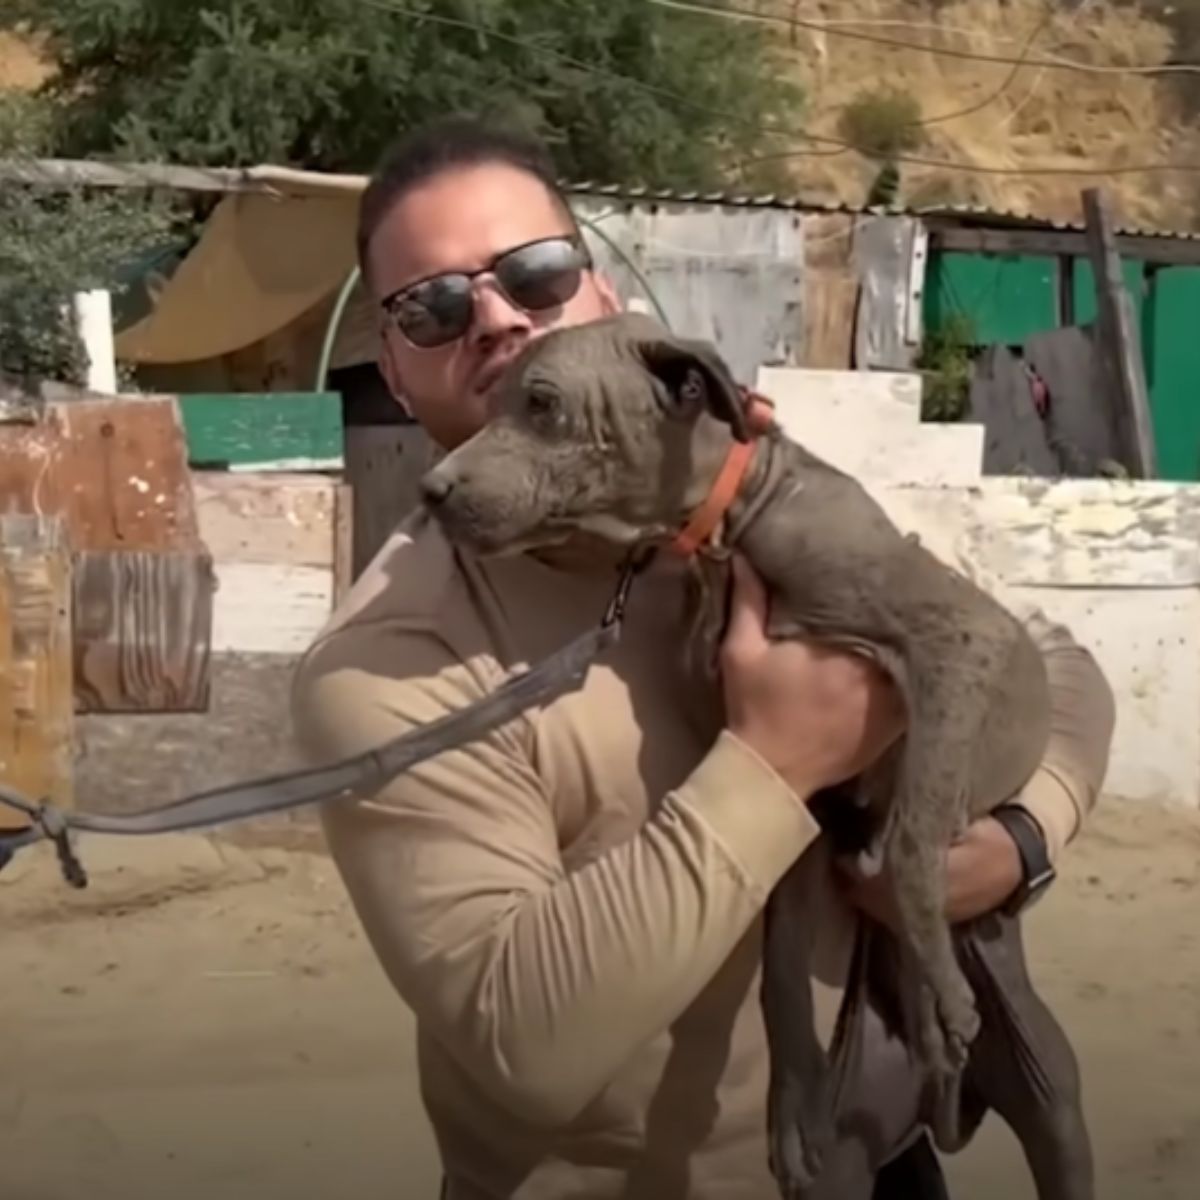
[{"x": 1036, "y": 888}]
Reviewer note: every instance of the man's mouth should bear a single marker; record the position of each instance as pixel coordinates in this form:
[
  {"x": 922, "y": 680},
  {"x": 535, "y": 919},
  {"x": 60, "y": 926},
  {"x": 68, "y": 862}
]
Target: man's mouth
[{"x": 490, "y": 375}]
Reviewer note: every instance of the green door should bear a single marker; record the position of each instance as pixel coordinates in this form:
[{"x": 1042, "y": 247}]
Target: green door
[
  {"x": 1006, "y": 297},
  {"x": 1171, "y": 345}
]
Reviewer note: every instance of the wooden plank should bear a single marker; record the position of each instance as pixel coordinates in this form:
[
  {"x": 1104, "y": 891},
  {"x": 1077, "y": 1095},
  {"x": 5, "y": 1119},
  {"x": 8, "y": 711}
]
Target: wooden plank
[
  {"x": 37, "y": 718},
  {"x": 384, "y": 465},
  {"x": 261, "y": 431},
  {"x": 114, "y": 469},
  {"x": 61, "y": 173},
  {"x": 1119, "y": 340},
  {"x": 268, "y": 517},
  {"x": 1166, "y": 251},
  {"x": 143, "y": 631},
  {"x": 267, "y": 608},
  {"x": 116, "y": 472},
  {"x": 1080, "y": 428},
  {"x": 830, "y": 301},
  {"x": 1015, "y": 437},
  {"x": 343, "y": 542}
]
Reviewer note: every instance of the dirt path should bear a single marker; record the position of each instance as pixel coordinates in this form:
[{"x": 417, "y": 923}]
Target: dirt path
[{"x": 206, "y": 1021}]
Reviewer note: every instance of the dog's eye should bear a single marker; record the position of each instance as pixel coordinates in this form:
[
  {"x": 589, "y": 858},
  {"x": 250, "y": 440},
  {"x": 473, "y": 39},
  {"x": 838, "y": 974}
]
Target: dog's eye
[{"x": 541, "y": 400}]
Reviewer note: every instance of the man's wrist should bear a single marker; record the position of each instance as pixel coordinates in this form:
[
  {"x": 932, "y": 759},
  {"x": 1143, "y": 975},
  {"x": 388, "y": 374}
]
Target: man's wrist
[{"x": 1036, "y": 869}]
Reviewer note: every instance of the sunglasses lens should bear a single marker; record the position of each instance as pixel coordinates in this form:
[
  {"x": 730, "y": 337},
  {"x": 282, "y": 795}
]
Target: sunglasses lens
[
  {"x": 435, "y": 312},
  {"x": 535, "y": 277},
  {"x": 543, "y": 275}
]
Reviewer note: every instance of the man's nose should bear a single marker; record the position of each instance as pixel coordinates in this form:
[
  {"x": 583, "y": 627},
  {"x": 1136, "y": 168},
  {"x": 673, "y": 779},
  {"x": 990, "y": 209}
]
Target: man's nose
[{"x": 495, "y": 315}]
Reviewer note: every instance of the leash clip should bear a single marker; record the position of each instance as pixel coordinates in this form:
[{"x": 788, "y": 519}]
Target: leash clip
[{"x": 634, "y": 565}]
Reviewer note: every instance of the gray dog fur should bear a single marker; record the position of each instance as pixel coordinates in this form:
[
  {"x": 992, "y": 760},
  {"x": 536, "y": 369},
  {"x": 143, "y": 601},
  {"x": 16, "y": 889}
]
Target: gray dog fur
[{"x": 618, "y": 428}]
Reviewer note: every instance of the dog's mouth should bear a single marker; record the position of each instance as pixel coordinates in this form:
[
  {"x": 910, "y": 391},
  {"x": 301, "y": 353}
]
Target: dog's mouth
[{"x": 487, "y": 537}]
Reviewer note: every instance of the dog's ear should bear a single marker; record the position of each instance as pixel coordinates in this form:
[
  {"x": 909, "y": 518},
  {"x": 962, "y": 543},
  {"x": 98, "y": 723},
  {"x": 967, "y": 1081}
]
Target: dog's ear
[{"x": 695, "y": 377}]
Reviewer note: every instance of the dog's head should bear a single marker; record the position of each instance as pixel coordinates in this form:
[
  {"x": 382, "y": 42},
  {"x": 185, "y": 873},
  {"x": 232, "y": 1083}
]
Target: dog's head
[{"x": 614, "y": 428}]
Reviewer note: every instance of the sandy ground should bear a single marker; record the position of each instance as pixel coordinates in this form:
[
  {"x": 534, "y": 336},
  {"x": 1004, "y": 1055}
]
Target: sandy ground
[{"x": 207, "y": 1021}]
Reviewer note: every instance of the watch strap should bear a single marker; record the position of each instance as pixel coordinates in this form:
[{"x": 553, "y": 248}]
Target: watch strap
[{"x": 1037, "y": 871}]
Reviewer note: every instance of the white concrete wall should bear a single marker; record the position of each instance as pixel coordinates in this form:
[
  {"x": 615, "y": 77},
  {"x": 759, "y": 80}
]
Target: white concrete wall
[{"x": 1117, "y": 562}]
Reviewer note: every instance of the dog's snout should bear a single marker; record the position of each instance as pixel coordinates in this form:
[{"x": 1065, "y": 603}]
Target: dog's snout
[{"x": 436, "y": 487}]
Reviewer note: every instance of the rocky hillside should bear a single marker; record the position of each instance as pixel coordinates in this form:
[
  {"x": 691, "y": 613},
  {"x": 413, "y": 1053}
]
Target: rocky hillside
[{"x": 1011, "y": 118}]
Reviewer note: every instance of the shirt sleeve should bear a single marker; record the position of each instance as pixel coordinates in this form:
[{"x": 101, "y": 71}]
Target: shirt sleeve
[
  {"x": 1063, "y": 792},
  {"x": 541, "y": 981}
]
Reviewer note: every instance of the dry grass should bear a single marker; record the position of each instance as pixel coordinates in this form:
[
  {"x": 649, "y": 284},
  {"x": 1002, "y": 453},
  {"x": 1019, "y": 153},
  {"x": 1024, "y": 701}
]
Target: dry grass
[
  {"x": 22, "y": 68},
  {"x": 1053, "y": 118}
]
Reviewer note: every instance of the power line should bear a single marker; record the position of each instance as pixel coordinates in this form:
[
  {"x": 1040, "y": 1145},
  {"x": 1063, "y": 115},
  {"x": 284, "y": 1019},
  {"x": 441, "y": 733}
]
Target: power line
[
  {"x": 1014, "y": 172},
  {"x": 526, "y": 43},
  {"x": 1011, "y": 116},
  {"x": 1051, "y": 62},
  {"x": 992, "y": 97}
]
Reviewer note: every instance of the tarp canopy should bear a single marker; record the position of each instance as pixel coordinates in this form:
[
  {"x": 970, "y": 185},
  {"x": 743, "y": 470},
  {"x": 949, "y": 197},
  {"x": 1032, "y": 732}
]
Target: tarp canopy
[{"x": 261, "y": 262}]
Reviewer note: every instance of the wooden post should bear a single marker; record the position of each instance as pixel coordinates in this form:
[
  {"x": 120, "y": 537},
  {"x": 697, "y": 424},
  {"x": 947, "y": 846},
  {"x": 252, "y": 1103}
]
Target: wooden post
[
  {"x": 343, "y": 541},
  {"x": 37, "y": 702},
  {"x": 1119, "y": 341}
]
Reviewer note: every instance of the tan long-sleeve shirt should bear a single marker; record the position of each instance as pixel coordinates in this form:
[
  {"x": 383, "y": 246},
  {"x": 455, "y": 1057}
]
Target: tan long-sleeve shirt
[{"x": 571, "y": 905}]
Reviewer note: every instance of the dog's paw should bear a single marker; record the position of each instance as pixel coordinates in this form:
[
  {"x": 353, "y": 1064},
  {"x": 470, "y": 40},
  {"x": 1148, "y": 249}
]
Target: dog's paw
[
  {"x": 800, "y": 1130},
  {"x": 958, "y": 1028}
]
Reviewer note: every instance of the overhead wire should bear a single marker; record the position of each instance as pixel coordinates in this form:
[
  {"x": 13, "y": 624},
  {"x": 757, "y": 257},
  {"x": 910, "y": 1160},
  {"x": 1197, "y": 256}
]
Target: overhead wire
[
  {"x": 991, "y": 98},
  {"x": 1072, "y": 21},
  {"x": 477, "y": 27},
  {"x": 1052, "y": 62}
]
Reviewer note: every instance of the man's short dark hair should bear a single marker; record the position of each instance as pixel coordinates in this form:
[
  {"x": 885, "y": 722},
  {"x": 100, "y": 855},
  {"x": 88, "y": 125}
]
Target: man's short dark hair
[{"x": 445, "y": 144}]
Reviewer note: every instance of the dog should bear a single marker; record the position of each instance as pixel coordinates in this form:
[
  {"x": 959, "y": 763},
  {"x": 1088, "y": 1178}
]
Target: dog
[{"x": 619, "y": 429}]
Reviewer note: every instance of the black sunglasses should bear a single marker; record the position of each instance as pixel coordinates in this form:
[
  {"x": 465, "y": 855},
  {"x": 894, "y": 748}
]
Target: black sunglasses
[{"x": 536, "y": 276}]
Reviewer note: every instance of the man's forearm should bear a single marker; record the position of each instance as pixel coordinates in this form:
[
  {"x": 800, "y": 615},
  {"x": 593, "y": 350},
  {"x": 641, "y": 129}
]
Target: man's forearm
[{"x": 1064, "y": 790}]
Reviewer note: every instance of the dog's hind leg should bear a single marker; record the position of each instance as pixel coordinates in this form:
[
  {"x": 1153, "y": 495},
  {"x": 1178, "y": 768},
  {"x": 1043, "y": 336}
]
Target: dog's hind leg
[
  {"x": 1023, "y": 1065},
  {"x": 947, "y": 711},
  {"x": 800, "y": 1098}
]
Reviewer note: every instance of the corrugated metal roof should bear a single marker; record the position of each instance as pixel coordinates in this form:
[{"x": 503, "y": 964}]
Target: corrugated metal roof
[
  {"x": 973, "y": 214},
  {"x": 1011, "y": 218}
]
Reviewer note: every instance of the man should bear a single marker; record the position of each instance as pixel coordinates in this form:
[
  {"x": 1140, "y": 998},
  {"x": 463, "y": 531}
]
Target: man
[{"x": 571, "y": 905}]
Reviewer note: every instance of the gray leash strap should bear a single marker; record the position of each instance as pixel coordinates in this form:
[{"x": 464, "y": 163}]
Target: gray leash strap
[{"x": 563, "y": 671}]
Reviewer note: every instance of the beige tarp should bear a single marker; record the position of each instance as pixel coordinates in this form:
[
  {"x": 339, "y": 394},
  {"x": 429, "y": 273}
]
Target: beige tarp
[{"x": 261, "y": 262}]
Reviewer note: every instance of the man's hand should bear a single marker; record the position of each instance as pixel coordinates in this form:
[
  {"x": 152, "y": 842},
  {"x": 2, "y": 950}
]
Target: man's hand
[
  {"x": 817, "y": 716},
  {"x": 983, "y": 869}
]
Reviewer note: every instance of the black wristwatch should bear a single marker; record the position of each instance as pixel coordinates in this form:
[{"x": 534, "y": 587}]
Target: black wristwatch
[{"x": 1037, "y": 872}]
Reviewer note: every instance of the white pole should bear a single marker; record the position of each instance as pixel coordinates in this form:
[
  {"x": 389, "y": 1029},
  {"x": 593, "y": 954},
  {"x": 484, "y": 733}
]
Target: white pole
[{"x": 93, "y": 320}]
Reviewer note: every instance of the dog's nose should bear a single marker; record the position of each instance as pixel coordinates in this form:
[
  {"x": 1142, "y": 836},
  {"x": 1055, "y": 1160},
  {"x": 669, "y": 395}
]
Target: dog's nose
[{"x": 436, "y": 488}]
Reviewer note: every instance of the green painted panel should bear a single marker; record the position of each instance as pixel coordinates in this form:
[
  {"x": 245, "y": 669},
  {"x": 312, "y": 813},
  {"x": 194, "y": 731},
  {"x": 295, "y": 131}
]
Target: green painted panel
[
  {"x": 1173, "y": 360},
  {"x": 1006, "y": 297},
  {"x": 1083, "y": 289},
  {"x": 263, "y": 429}
]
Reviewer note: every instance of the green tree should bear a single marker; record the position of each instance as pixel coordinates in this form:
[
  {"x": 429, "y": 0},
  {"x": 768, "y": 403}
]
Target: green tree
[
  {"x": 55, "y": 243},
  {"x": 625, "y": 91}
]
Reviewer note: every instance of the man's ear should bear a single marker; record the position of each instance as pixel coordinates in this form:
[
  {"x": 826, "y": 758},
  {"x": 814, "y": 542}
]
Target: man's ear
[{"x": 695, "y": 377}]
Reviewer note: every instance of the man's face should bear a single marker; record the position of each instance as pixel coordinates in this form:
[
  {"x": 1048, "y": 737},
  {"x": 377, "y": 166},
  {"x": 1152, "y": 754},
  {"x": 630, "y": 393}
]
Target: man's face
[{"x": 461, "y": 220}]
